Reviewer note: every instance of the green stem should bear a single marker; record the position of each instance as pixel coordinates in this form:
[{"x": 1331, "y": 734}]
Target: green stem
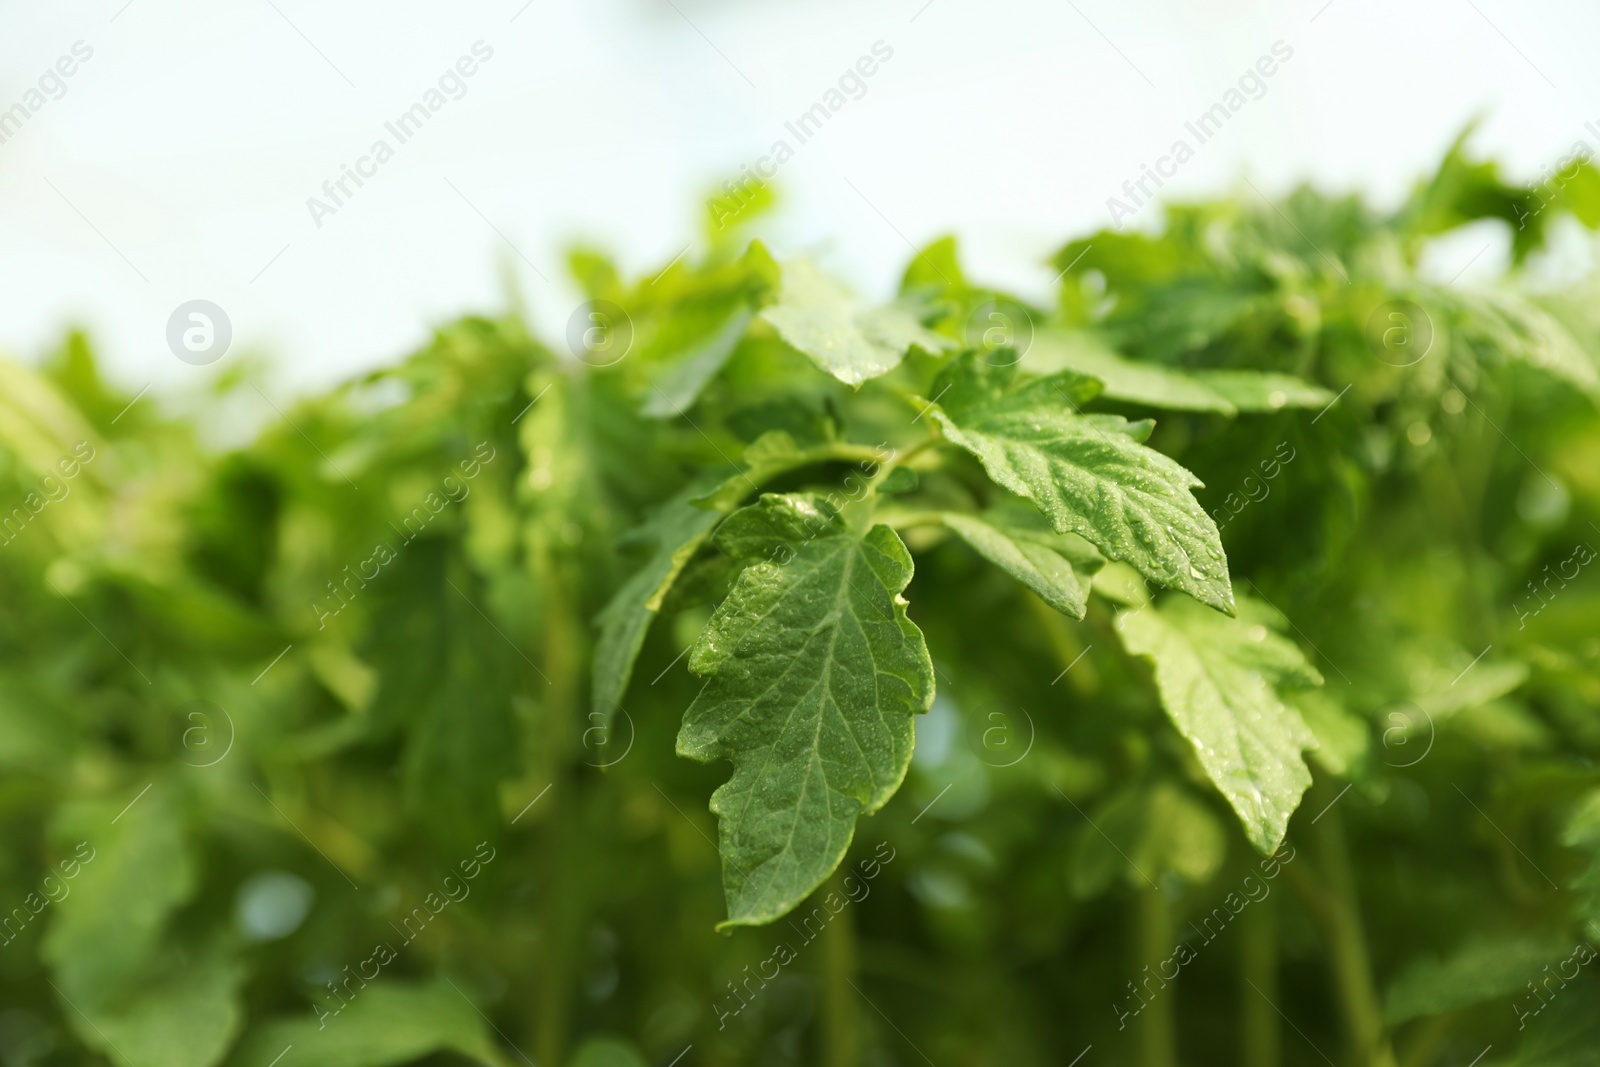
[
  {"x": 903, "y": 458},
  {"x": 1426, "y": 1040},
  {"x": 1347, "y": 942},
  {"x": 839, "y": 450},
  {"x": 1157, "y": 1022},
  {"x": 1077, "y": 670},
  {"x": 562, "y": 843},
  {"x": 902, "y": 520},
  {"x": 562, "y": 912},
  {"x": 841, "y": 1024},
  {"x": 1258, "y": 971}
]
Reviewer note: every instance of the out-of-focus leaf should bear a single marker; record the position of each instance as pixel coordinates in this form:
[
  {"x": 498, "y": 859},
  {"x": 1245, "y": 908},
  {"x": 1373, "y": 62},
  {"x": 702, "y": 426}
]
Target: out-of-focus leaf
[
  {"x": 1226, "y": 392},
  {"x": 1478, "y": 684},
  {"x": 1144, "y": 835},
  {"x": 1582, "y": 831},
  {"x": 935, "y": 267},
  {"x": 852, "y": 342},
  {"x": 139, "y": 869},
  {"x": 30, "y": 739},
  {"x": 1464, "y": 190},
  {"x": 443, "y": 669},
  {"x": 1479, "y": 970},
  {"x": 1151, "y": 384},
  {"x": 1181, "y": 835},
  {"x": 36, "y": 422},
  {"x": 678, "y": 530},
  {"x": 1565, "y": 1035},
  {"x": 1502, "y": 726},
  {"x": 688, "y": 372},
  {"x": 1343, "y": 740},
  {"x": 607, "y": 1052},
  {"x": 187, "y": 1019},
  {"x": 1496, "y": 327},
  {"x": 1250, "y": 390},
  {"x": 383, "y": 1024}
]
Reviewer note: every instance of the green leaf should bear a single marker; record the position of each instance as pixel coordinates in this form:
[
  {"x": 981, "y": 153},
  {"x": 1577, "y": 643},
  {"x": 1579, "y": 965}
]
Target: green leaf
[
  {"x": 1581, "y": 194},
  {"x": 1463, "y": 190},
  {"x": 853, "y": 343},
  {"x": 443, "y": 666},
  {"x": 1568, "y": 1036},
  {"x": 813, "y": 674},
  {"x": 137, "y": 867},
  {"x": 1582, "y": 831},
  {"x": 1148, "y": 833},
  {"x": 1253, "y": 390},
  {"x": 1226, "y": 392},
  {"x": 1182, "y": 835},
  {"x": 1218, "y": 679},
  {"x": 936, "y": 267},
  {"x": 1151, "y": 384},
  {"x": 35, "y": 731},
  {"x": 607, "y": 1052},
  {"x": 677, "y": 531},
  {"x": 1482, "y": 969},
  {"x": 679, "y": 386},
  {"x": 1089, "y": 474},
  {"x": 730, "y": 208},
  {"x": 1443, "y": 691},
  {"x": 900, "y": 480},
  {"x": 188, "y": 1019},
  {"x": 1058, "y": 567},
  {"x": 769, "y": 455},
  {"x": 381, "y": 1024},
  {"x": 1500, "y": 327},
  {"x": 1343, "y": 739},
  {"x": 461, "y": 747}
]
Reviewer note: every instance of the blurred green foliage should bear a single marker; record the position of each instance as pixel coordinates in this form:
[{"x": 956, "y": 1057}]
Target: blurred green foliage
[{"x": 356, "y": 745}]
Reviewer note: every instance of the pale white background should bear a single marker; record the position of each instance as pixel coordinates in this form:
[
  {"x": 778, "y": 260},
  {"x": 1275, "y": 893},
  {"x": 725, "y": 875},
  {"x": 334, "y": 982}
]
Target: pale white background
[{"x": 192, "y": 139}]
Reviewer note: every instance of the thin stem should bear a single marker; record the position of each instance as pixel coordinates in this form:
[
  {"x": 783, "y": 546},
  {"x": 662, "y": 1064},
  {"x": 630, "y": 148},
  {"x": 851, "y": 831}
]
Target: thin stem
[
  {"x": 1426, "y": 1040},
  {"x": 1078, "y": 671},
  {"x": 562, "y": 842},
  {"x": 563, "y": 903},
  {"x": 1347, "y": 943},
  {"x": 1258, "y": 968},
  {"x": 903, "y": 520},
  {"x": 840, "y": 450},
  {"x": 1158, "y": 1027},
  {"x": 901, "y": 459},
  {"x": 841, "y": 1024},
  {"x": 1311, "y": 894}
]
